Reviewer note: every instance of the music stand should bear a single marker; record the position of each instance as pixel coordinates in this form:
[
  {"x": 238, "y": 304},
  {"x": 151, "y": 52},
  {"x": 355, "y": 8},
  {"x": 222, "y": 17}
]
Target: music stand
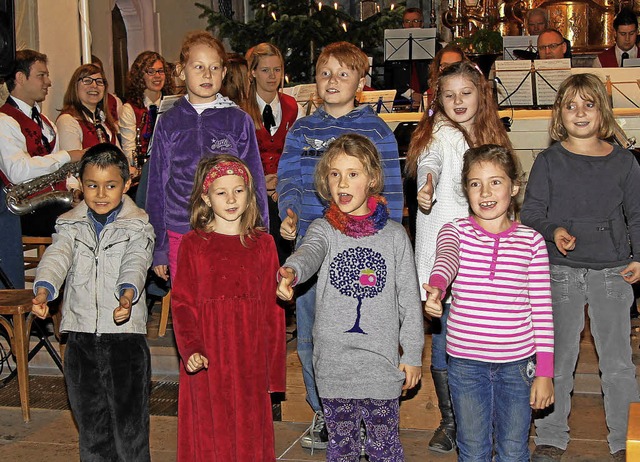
[
  {"x": 409, "y": 45},
  {"x": 525, "y": 43},
  {"x": 380, "y": 101}
]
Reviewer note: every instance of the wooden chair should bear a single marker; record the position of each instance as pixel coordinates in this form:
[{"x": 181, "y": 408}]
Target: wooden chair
[
  {"x": 39, "y": 244},
  {"x": 17, "y": 303},
  {"x": 164, "y": 314}
]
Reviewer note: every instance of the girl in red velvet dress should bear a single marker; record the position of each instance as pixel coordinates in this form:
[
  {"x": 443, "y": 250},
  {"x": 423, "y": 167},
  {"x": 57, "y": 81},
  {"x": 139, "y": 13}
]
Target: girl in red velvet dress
[{"x": 229, "y": 330}]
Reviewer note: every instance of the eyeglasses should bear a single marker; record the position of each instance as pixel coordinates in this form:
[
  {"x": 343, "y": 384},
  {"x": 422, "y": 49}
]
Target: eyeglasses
[
  {"x": 412, "y": 21},
  {"x": 550, "y": 47},
  {"x": 89, "y": 81},
  {"x": 151, "y": 71}
]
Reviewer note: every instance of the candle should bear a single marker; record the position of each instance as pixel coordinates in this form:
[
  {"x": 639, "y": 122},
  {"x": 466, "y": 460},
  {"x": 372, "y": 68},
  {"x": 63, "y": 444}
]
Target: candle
[
  {"x": 335, "y": 5},
  {"x": 392, "y": 7},
  {"x": 344, "y": 26},
  {"x": 319, "y": 6},
  {"x": 273, "y": 15}
]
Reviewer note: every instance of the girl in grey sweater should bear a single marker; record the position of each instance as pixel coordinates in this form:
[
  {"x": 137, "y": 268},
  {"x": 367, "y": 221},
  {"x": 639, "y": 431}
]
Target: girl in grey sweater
[{"x": 367, "y": 305}]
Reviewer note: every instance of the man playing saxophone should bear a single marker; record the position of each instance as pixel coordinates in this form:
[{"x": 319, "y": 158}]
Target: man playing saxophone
[{"x": 28, "y": 149}]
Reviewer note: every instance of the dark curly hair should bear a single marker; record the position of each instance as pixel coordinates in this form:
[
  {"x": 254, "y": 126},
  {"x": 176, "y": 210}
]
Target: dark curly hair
[{"x": 135, "y": 80}]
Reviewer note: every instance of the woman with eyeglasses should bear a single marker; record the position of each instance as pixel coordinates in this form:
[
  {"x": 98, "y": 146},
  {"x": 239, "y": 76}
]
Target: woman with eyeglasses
[
  {"x": 148, "y": 81},
  {"x": 83, "y": 121}
]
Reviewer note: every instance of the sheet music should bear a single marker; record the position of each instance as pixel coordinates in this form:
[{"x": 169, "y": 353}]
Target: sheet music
[
  {"x": 550, "y": 73},
  {"x": 518, "y": 42},
  {"x": 167, "y": 102},
  {"x": 380, "y": 100},
  {"x": 625, "y": 84},
  {"x": 515, "y": 77}
]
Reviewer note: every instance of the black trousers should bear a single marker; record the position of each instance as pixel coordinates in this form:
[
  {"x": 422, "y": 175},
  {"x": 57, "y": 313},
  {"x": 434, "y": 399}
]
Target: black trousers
[{"x": 108, "y": 381}]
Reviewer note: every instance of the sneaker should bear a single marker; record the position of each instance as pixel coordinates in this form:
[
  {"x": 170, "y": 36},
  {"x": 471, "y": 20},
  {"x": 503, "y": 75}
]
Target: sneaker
[
  {"x": 545, "y": 453},
  {"x": 316, "y": 436},
  {"x": 619, "y": 456}
]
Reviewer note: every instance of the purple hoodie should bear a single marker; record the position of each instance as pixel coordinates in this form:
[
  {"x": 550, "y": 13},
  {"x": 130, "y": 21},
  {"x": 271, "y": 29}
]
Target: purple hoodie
[{"x": 181, "y": 138}]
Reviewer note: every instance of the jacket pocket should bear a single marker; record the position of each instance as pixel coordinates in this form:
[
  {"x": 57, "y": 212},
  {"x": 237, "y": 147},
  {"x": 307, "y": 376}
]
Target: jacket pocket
[{"x": 600, "y": 241}]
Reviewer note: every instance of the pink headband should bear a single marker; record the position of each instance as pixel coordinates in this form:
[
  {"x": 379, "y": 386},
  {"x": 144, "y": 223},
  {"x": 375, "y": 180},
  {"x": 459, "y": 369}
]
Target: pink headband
[{"x": 224, "y": 169}]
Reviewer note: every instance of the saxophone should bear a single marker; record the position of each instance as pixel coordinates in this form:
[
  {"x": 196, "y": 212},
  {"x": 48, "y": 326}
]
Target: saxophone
[
  {"x": 139, "y": 157},
  {"x": 20, "y": 200}
]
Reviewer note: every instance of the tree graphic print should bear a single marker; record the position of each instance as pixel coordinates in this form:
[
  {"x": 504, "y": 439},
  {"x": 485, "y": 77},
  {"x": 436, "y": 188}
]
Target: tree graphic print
[{"x": 359, "y": 273}]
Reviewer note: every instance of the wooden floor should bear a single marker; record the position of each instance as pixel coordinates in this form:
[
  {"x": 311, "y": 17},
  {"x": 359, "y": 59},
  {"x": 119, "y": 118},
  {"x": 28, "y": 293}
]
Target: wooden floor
[{"x": 52, "y": 435}]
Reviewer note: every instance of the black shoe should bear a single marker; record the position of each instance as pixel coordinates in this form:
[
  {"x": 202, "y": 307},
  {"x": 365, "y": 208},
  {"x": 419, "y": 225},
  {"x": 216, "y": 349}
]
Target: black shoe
[
  {"x": 444, "y": 438},
  {"x": 317, "y": 436},
  {"x": 545, "y": 453},
  {"x": 442, "y": 441}
]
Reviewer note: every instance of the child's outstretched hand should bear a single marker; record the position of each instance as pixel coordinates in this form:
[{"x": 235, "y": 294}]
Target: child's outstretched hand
[
  {"x": 289, "y": 226},
  {"x": 433, "y": 305},
  {"x": 122, "y": 313},
  {"x": 412, "y": 374},
  {"x": 197, "y": 362},
  {"x": 285, "y": 291},
  {"x": 631, "y": 273},
  {"x": 541, "y": 393},
  {"x": 425, "y": 195},
  {"x": 564, "y": 241},
  {"x": 40, "y": 307}
]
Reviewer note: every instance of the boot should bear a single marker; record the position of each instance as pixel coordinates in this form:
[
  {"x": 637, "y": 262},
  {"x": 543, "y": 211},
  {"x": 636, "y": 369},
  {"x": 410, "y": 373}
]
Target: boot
[{"x": 444, "y": 438}]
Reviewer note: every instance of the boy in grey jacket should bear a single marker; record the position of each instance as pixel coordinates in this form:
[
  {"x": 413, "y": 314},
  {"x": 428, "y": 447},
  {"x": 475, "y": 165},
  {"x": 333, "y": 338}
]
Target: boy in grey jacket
[{"x": 102, "y": 248}]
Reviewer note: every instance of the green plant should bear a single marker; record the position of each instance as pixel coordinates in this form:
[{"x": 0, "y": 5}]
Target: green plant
[
  {"x": 482, "y": 41},
  {"x": 300, "y": 29}
]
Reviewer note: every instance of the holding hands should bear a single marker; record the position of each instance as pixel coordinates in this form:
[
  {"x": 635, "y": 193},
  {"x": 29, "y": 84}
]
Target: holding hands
[
  {"x": 285, "y": 289},
  {"x": 40, "y": 307},
  {"x": 196, "y": 362},
  {"x": 425, "y": 195},
  {"x": 564, "y": 241},
  {"x": 542, "y": 395},
  {"x": 413, "y": 374},
  {"x": 289, "y": 226},
  {"x": 123, "y": 312},
  {"x": 433, "y": 305}
]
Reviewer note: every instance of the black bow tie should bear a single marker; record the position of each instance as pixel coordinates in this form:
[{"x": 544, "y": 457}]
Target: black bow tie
[{"x": 267, "y": 118}]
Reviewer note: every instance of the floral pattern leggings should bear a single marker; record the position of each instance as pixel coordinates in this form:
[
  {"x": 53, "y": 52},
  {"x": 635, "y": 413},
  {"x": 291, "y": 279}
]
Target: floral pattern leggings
[{"x": 382, "y": 422}]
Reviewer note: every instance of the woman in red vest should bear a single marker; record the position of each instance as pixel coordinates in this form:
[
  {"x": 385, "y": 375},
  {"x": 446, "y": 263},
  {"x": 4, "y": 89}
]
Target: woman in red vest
[
  {"x": 83, "y": 121},
  {"x": 273, "y": 113},
  {"x": 149, "y": 80}
]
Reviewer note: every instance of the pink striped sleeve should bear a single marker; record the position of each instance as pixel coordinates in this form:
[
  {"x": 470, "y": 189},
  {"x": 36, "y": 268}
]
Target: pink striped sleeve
[
  {"x": 447, "y": 261},
  {"x": 541, "y": 311}
]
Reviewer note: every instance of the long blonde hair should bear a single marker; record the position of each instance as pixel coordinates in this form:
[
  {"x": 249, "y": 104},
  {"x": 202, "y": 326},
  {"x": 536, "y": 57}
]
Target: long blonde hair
[
  {"x": 201, "y": 215},
  {"x": 487, "y": 129},
  {"x": 253, "y": 60}
]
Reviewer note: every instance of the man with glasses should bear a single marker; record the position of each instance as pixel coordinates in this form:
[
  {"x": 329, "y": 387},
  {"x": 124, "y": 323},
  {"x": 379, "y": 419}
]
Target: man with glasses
[
  {"x": 551, "y": 45},
  {"x": 28, "y": 149},
  {"x": 625, "y": 33}
]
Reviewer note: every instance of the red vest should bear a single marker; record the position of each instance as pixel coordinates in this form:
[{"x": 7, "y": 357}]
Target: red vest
[
  {"x": 143, "y": 125},
  {"x": 89, "y": 133},
  {"x": 608, "y": 57},
  {"x": 271, "y": 146},
  {"x": 112, "y": 105},
  {"x": 33, "y": 137}
]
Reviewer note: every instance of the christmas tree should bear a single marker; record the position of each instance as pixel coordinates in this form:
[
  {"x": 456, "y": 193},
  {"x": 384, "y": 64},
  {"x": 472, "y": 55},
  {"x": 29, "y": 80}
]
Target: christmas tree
[{"x": 300, "y": 30}]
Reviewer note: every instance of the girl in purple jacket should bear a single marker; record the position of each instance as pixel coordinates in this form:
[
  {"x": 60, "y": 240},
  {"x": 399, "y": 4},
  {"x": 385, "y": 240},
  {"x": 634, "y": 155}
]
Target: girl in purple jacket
[{"x": 202, "y": 124}]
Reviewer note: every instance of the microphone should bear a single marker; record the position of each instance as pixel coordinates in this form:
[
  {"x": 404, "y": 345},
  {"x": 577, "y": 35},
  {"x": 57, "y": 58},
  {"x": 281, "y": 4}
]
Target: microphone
[{"x": 506, "y": 121}]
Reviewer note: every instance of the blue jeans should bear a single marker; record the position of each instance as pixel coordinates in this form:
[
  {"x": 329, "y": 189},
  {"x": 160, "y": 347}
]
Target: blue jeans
[
  {"x": 609, "y": 298},
  {"x": 439, "y": 340},
  {"x": 491, "y": 401},
  {"x": 305, "y": 317}
]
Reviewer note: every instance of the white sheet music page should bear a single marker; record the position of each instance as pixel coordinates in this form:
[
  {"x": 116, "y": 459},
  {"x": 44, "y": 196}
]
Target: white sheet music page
[
  {"x": 550, "y": 73},
  {"x": 516, "y": 88}
]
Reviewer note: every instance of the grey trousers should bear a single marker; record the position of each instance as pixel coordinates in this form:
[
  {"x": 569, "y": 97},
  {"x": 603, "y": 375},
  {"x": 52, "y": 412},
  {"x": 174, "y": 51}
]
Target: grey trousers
[{"x": 609, "y": 298}]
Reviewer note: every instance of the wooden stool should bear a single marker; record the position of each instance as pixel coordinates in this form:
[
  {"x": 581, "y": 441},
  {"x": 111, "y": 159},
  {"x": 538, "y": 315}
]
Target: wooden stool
[
  {"x": 40, "y": 245},
  {"x": 164, "y": 314},
  {"x": 633, "y": 432},
  {"x": 17, "y": 303}
]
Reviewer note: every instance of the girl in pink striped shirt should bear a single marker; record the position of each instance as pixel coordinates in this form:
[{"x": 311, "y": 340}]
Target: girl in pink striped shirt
[{"x": 500, "y": 328}]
